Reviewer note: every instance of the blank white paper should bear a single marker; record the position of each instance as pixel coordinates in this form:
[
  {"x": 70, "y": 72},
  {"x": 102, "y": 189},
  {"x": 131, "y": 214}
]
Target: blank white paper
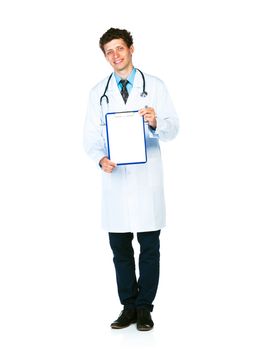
[{"x": 126, "y": 140}]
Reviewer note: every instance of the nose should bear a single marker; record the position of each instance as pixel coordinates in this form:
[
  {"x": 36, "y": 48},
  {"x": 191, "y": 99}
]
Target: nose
[{"x": 116, "y": 54}]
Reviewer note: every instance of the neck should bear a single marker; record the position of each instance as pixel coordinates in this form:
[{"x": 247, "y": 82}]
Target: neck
[{"x": 125, "y": 72}]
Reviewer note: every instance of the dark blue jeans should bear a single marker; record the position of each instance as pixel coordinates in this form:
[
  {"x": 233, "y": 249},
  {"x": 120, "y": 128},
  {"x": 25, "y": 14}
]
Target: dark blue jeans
[{"x": 133, "y": 292}]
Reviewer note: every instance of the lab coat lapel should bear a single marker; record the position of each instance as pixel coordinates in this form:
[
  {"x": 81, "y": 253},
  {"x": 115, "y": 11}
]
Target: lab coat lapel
[
  {"x": 115, "y": 98},
  {"x": 134, "y": 94},
  {"x": 135, "y": 101}
]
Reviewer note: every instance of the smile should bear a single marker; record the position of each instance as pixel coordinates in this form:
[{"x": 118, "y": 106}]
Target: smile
[{"x": 118, "y": 61}]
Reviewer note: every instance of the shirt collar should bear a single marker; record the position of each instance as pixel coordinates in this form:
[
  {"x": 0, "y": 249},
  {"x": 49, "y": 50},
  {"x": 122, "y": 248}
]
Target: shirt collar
[{"x": 130, "y": 77}]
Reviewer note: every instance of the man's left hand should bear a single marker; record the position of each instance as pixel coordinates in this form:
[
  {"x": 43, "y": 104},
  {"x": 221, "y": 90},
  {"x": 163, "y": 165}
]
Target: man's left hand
[{"x": 149, "y": 116}]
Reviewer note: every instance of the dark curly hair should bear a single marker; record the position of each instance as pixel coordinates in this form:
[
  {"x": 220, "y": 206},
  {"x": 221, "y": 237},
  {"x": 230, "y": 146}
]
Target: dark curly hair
[{"x": 115, "y": 33}]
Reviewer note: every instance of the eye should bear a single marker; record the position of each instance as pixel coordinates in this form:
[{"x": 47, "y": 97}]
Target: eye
[
  {"x": 120, "y": 48},
  {"x": 109, "y": 53}
]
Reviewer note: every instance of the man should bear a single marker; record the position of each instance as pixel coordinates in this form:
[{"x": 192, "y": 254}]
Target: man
[{"x": 133, "y": 196}]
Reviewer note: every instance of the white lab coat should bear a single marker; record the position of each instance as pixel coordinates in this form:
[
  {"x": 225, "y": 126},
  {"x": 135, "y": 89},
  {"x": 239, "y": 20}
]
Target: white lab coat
[{"x": 132, "y": 195}]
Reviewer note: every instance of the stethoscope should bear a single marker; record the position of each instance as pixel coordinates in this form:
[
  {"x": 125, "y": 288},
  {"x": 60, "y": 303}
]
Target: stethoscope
[{"x": 143, "y": 93}]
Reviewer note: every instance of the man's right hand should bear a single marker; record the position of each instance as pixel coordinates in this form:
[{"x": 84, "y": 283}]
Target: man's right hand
[{"x": 107, "y": 165}]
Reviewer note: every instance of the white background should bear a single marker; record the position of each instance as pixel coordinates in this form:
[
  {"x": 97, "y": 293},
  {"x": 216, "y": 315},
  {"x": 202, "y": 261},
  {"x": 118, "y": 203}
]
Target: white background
[{"x": 57, "y": 278}]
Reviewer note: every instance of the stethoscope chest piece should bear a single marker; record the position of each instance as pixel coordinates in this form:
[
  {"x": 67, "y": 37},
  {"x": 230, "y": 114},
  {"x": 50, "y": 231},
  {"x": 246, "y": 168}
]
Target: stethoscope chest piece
[{"x": 143, "y": 94}]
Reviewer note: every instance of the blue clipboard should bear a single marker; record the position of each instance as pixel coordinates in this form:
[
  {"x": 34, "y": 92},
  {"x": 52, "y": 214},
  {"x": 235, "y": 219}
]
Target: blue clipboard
[{"x": 126, "y": 140}]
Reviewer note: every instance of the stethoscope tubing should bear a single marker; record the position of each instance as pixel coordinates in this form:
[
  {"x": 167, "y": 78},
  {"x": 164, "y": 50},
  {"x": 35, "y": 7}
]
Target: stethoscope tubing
[{"x": 143, "y": 93}]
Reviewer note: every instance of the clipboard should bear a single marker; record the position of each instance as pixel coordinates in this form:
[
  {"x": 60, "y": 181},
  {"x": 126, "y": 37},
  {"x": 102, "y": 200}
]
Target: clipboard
[{"x": 126, "y": 137}]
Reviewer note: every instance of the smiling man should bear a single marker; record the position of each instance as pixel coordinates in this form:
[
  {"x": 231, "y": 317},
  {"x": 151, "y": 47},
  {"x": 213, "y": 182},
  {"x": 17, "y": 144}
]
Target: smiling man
[{"x": 132, "y": 195}]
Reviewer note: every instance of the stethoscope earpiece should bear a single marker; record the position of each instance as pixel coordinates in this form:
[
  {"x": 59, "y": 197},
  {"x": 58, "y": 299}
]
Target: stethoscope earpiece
[
  {"x": 102, "y": 97},
  {"x": 104, "y": 93}
]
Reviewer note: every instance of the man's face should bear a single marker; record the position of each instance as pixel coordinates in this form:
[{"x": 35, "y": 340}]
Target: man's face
[{"x": 119, "y": 55}]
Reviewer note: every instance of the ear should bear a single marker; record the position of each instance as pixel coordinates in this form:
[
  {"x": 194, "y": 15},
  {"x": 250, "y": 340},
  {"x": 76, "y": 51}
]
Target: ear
[{"x": 131, "y": 49}]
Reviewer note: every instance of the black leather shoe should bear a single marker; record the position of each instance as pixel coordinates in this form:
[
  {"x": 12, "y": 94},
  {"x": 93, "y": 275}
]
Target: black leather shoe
[
  {"x": 125, "y": 319},
  {"x": 144, "y": 320}
]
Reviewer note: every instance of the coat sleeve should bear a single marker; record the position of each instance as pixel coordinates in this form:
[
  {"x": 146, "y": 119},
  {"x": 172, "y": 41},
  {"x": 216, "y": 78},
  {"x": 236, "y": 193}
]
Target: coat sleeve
[
  {"x": 93, "y": 140},
  {"x": 167, "y": 119}
]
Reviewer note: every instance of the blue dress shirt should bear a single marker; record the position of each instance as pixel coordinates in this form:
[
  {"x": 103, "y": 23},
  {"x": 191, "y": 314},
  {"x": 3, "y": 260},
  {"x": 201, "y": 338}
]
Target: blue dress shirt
[{"x": 130, "y": 79}]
